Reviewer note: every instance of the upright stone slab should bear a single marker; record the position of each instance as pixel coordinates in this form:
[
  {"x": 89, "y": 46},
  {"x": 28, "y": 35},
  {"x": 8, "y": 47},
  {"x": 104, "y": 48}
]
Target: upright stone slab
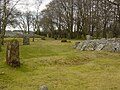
[
  {"x": 88, "y": 37},
  {"x": 47, "y": 35},
  {"x": 12, "y": 54},
  {"x": 26, "y": 40}
]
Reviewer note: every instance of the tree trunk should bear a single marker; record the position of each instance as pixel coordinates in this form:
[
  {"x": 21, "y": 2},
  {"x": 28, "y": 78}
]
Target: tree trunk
[
  {"x": 104, "y": 31},
  {"x": 33, "y": 38},
  {"x": 4, "y": 21}
]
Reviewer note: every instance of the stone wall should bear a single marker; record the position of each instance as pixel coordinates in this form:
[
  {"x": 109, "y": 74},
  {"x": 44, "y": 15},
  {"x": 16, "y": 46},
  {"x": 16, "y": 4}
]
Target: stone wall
[{"x": 112, "y": 45}]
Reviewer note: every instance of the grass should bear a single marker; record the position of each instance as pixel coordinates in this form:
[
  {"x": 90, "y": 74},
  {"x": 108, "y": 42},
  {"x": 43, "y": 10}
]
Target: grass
[{"x": 60, "y": 67}]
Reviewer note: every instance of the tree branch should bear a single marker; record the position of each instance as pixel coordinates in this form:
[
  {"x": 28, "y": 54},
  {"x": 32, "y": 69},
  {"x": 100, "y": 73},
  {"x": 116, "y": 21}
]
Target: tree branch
[
  {"x": 12, "y": 8},
  {"x": 112, "y": 2}
]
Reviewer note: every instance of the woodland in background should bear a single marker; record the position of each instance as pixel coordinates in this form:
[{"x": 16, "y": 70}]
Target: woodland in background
[
  {"x": 65, "y": 18},
  {"x": 78, "y": 18}
]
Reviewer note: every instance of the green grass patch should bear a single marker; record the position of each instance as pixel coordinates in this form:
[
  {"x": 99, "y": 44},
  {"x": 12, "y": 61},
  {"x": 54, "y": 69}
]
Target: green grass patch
[{"x": 60, "y": 67}]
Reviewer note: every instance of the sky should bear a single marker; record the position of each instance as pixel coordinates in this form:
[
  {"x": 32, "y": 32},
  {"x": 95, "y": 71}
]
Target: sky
[
  {"x": 30, "y": 5},
  {"x": 25, "y": 5}
]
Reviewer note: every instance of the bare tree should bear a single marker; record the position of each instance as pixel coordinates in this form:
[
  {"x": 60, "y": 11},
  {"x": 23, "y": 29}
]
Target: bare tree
[
  {"x": 77, "y": 18},
  {"x": 36, "y": 24},
  {"x": 6, "y": 12}
]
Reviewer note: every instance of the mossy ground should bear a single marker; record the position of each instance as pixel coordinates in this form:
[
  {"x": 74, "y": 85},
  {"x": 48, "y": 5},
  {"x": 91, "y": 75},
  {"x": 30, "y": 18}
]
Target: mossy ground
[{"x": 60, "y": 67}]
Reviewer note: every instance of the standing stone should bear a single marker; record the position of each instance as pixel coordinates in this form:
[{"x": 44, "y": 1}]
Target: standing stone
[
  {"x": 88, "y": 37},
  {"x": 47, "y": 35},
  {"x": 12, "y": 54},
  {"x": 44, "y": 88},
  {"x": 43, "y": 38},
  {"x": 26, "y": 40}
]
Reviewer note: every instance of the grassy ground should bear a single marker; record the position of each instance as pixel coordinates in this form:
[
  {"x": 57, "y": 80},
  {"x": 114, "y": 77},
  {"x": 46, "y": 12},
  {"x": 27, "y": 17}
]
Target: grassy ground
[{"x": 60, "y": 67}]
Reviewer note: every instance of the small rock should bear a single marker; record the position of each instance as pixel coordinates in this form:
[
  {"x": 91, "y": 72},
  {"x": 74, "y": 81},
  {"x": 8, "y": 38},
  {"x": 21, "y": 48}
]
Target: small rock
[
  {"x": 69, "y": 41},
  {"x": 2, "y": 73},
  {"x": 63, "y": 40},
  {"x": 43, "y": 38},
  {"x": 44, "y": 88}
]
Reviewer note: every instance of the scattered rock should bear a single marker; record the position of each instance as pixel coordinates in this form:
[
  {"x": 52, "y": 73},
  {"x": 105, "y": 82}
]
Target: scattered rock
[
  {"x": 63, "y": 40},
  {"x": 76, "y": 44},
  {"x": 100, "y": 47},
  {"x": 2, "y": 73},
  {"x": 112, "y": 45},
  {"x": 43, "y": 38},
  {"x": 69, "y": 41},
  {"x": 44, "y": 88},
  {"x": 91, "y": 46}
]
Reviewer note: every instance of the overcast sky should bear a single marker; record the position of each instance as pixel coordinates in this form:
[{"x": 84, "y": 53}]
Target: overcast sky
[{"x": 31, "y": 4}]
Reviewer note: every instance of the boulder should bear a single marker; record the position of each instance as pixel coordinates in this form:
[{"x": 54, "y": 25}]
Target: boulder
[
  {"x": 76, "y": 44},
  {"x": 79, "y": 45},
  {"x": 84, "y": 45},
  {"x": 63, "y": 40},
  {"x": 44, "y": 88},
  {"x": 91, "y": 46},
  {"x": 99, "y": 47}
]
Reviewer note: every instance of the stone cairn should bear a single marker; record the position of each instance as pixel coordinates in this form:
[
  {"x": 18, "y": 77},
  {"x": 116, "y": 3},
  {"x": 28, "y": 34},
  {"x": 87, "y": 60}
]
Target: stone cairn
[
  {"x": 12, "y": 54},
  {"x": 26, "y": 40},
  {"x": 112, "y": 45}
]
